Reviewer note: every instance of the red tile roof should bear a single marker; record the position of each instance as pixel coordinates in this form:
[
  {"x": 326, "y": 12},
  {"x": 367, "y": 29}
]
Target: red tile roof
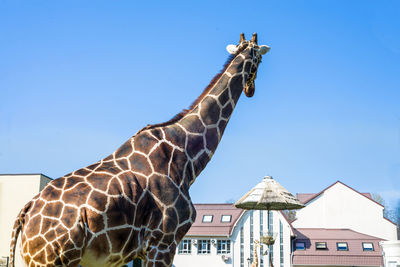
[
  {"x": 216, "y": 227},
  {"x": 355, "y": 256}
]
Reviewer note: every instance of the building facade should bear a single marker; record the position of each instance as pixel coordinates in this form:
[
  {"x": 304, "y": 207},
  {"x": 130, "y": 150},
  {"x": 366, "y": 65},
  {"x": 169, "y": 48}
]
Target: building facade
[
  {"x": 15, "y": 191},
  {"x": 223, "y": 235}
]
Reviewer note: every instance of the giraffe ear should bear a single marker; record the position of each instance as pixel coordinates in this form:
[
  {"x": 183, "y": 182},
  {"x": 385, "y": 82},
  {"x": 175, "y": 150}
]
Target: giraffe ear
[
  {"x": 263, "y": 49},
  {"x": 232, "y": 49}
]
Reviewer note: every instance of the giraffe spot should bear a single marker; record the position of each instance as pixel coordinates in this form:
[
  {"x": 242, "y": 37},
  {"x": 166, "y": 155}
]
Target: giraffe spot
[
  {"x": 47, "y": 224},
  {"x": 99, "y": 247},
  {"x": 99, "y": 180},
  {"x": 143, "y": 142},
  {"x": 69, "y": 216},
  {"x": 118, "y": 238},
  {"x": 58, "y": 183},
  {"x": 157, "y": 133},
  {"x": 247, "y": 66},
  {"x": 33, "y": 226},
  {"x": 109, "y": 167},
  {"x": 183, "y": 208},
  {"x": 49, "y": 193},
  {"x": 93, "y": 166},
  {"x": 130, "y": 184},
  {"x": 125, "y": 150},
  {"x": 37, "y": 206},
  {"x": 181, "y": 231},
  {"x": 201, "y": 163},
  {"x": 146, "y": 209},
  {"x": 51, "y": 254},
  {"x": 195, "y": 145},
  {"x": 156, "y": 237},
  {"x": 224, "y": 97},
  {"x": 72, "y": 254},
  {"x": 120, "y": 212},
  {"x": 160, "y": 158},
  {"x": 132, "y": 243},
  {"x": 227, "y": 111},
  {"x": 71, "y": 181},
  {"x": 175, "y": 135},
  {"x": 40, "y": 257},
  {"x": 220, "y": 85},
  {"x": 176, "y": 169},
  {"x": 114, "y": 187},
  {"x": 168, "y": 238},
  {"x": 189, "y": 174},
  {"x": 163, "y": 188},
  {"x": 77, "y": 236},
  {"x": 37, "y": 243},
  {"x": 221, "y": 126},
  {"x": 192, "y": 124},
  {"x": 50, "y": 236},
  {"x": 95, "y": 221},
  {"x": 236, "y": 87},
  {"x": 166, "y": 257},
  {"x": 210, "y": 111},
  {"x": 152, "y": 253},
  {"x": 77, "y": 195},
  {"x": 170, "y": 221},
  {"x": 98, "y": 200},
  {"x": 212, "y": 139},
  {"x": 140, "y": 164},
  {"x": 82, "y": 172},
  {"x": 236, "y": 65},
  {"x": 123, "y": 164}
]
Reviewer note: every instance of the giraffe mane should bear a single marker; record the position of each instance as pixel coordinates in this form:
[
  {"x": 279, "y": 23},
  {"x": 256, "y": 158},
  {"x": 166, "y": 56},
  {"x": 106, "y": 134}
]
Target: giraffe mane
[{"x": 180, "y": 115}]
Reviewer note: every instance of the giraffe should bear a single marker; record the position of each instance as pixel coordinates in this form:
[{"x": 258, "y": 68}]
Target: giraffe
[
  {"x": 135, "y": 203},
  {"x": 255, "y": 256}
]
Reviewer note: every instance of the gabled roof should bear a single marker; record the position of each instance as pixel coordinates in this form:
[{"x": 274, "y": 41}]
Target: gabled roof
[
  {"x": 216, "y": 227},
  {"x": 307, "y": 197},
  {"x": 354, "y": 256}
]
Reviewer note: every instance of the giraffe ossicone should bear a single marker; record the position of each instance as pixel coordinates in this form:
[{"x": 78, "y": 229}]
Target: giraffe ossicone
[{"x": 135, "y": 203}]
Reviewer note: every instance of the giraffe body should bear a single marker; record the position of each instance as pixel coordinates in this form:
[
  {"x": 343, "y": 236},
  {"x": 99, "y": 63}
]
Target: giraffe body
[{"x": 135, "y": 203}]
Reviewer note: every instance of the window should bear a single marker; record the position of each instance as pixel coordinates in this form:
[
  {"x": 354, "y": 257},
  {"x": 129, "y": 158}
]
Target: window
[
  {"x": 281, "y": 243},
  {"x": 185, "y": 247},
  {"x": 261, "y": 234},
  {"x": 203, "y": 246},
  {"x": 271, "y": 230},
  {"x": 223, "y": 246},
  {"x": 226, "y": 218},
  {"x": 241, "y": 247},
  {"x": 320, "y": 245},
  {"x": 251, "y": 235},
  {"x": 368, "y": 246},
  {"x": 207, "y": 218},
  {"x": 342, "y": 246},
  {"x": 300, "y": 246}
]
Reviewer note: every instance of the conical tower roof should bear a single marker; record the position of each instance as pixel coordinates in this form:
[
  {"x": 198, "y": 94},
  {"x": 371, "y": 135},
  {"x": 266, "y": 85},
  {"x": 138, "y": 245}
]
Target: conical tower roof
[{"x": 268, "y": 195}]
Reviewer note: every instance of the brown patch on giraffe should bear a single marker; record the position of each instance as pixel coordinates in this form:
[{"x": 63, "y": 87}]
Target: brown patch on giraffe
[
  {"x": 118, "y": 238},
  {"x": 227, "y": 111},
  {"x": 78, "y": 195},
  {"x": 176, "y": 171},
  {"x": 195, "y": 145},
  {"x": 47, "y": 224},
  {"x": 221, "y": 126},
  {"x": 109, "y": 167},
  {"x": 201, "y": 163},
  {"x": 247, "y": 66},
  {"x": 53, "y": 209},
  {"x": 69, "y": 216},
  {"x": 98, "y": 200},
  {"x": 93, "y": 166},
  {"x": 72, "y": 254},
  {"x": 125, "y": 150},
  {"x": 37, "y": 206},
  {"x": 221, "y": 85},
  {"x": 183, "y": 208},
  {"x": 140, "y": 164},
  {"x": 50, "y": 252},
  {"x": 82, "y": 172},
  {"x": 144, "y": 142},
  {"x": 132, "y": 243},
  {"x": 36, "y": 243},
  {"x": 168, "y": 238},
  {"x": 175, "y": 135},
  {"x": 100, "y": 247},
  {"x": 170, "y": 220},
  {"x": 193, "y": 124},
  {"x": 71, "y": 181},
  {"x": 120, "y": 212},
  {"x": 99, "y": 180},
  {"x": 123, "y": 164},
  {"x": 160, "y": 158},
  {"x": 50, "y": 193},
  {"x": 114, "y": 187},
  {"x": 40, "y": 257},
  {"x": 209, "y": 111},
  {"x": 163, "y": 188},
  {"x": 236, "y": 86},
  {"x": 212, "y": 139},
  {"x": 181, "y": 231},
  {"x": 50, "y": 236},
  {"x": 94, "y": 220},
  {"x": 58, "y": 183},
  {"x": 33, "y": 226},
  {"x": 224, "y": 98},
  {"x": 131, "y": 186}
]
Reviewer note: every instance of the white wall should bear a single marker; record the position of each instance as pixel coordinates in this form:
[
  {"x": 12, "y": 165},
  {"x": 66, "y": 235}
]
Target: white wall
[
  {"x": 15, "y": 192},
  {"x": 391, "y": 253},
  {"x": 213, "y": 259},
  {"x": 341, "y": 207}
]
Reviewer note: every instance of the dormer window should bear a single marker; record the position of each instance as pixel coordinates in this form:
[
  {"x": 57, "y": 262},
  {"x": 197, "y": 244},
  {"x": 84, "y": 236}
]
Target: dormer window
[
  {"x": 320, "y": 245},
  {"x": 226, "y": 218},
  {"x": 368, "y": 246},
  {"x": 207, "y": 218},
  {"x": 342, "y": 246},
  {"x": 300, "y": 246}
]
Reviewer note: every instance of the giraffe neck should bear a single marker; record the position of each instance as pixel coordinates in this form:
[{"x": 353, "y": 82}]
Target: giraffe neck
[{"x": 200, "y": 130}]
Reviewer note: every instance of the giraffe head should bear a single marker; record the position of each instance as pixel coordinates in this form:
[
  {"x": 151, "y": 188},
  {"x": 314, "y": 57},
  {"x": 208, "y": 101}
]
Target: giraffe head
[{"x": 254, "y": 51}]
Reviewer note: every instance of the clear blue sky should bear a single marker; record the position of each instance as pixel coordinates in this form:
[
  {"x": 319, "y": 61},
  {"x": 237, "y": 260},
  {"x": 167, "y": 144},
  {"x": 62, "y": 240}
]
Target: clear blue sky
[{"x": 78, "y": 78}]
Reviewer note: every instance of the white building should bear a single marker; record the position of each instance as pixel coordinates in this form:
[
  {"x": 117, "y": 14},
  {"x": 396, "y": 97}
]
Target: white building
[
  {"x": 223, "y": 235},
  {"x": 15, "y": 191},
  {"x": 391, "y": 255},
  {"x": 340, "y": 206}
]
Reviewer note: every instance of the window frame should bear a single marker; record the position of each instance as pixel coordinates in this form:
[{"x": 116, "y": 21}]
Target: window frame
[
  {"x": 323, "y": 243},
  {"x": 337, "y": 246},
  {"x": 200, "y": 244},
  {"x": 206, "y": 216},
  {"x": 372, "y": 246},
  {"x": 188, "y": 249},
  {"x": 226, "y": 243},
  {"x": 301, "y": 242},
  {"x": 230, "y": 218}
]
